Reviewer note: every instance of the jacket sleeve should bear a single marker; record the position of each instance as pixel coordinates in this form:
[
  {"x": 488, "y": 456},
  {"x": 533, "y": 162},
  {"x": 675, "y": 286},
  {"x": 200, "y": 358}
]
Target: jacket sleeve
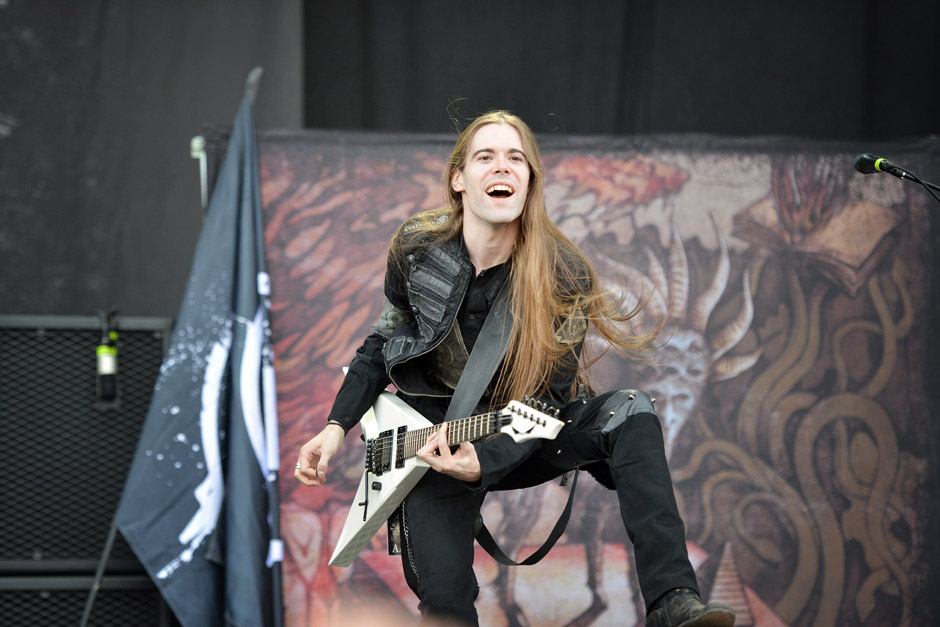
[
  {"x": 367, "y": 376},
  {"x": 364, "y": 381}
]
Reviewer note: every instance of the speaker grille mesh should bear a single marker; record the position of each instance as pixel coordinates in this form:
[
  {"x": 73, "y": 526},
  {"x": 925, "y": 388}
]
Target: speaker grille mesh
[
  {"x": 54, "y": 602},
  {"x": 64, "y": 455}
]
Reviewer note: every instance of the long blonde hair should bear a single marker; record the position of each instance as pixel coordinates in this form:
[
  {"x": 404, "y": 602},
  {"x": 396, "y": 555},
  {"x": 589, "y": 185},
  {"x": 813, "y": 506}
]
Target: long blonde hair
[{"x": 542, "y": 299}]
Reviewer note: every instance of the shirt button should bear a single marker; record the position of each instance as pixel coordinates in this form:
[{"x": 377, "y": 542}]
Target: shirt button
[{"x": 472, "y": 317}]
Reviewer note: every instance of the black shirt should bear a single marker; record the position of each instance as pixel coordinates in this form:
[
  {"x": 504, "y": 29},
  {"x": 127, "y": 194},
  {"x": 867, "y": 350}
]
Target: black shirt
[{"x": 478, "y": 301}]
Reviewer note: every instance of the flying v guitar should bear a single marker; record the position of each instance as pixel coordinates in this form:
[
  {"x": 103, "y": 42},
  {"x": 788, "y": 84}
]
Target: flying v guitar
[{"x": 394, "y": 433}]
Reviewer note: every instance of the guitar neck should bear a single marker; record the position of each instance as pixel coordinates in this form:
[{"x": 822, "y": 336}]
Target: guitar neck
[{"x": 461, "y": 430}]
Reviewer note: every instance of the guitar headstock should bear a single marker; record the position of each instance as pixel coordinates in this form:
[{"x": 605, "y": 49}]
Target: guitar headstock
[{"x": 531, "y": 419}]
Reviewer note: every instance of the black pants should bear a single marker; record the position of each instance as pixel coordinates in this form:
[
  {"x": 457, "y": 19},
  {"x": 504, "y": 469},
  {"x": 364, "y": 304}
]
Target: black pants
[{"x": 618, "y": 428}]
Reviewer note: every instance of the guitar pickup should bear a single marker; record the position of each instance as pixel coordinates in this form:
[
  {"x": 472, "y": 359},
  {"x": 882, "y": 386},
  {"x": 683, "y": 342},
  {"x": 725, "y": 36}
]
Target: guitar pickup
[{"x": 400, "y": 447}]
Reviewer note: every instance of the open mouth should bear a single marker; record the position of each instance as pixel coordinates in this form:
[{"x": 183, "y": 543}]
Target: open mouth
[{"x": 500, "y": 190}]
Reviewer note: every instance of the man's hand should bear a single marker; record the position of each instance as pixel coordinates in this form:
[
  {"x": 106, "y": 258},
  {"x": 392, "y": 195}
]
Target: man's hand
[
  {"x": 462, "y": 464},
  {"x": 314, "y": 459}
]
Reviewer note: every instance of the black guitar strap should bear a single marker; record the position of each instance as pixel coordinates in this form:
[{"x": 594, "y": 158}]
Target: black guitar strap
[
  {"x": 485, "y": 539},
  {"x": 487, "y": 354}
]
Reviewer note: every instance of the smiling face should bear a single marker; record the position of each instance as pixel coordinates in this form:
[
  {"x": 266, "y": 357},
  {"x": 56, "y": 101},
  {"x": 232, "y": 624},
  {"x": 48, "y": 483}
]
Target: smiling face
[{"x": 494, "y": 180}]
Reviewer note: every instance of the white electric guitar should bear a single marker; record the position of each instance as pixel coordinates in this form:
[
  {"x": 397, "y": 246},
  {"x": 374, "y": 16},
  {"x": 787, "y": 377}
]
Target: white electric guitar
[{"x": 394, "y": 433}]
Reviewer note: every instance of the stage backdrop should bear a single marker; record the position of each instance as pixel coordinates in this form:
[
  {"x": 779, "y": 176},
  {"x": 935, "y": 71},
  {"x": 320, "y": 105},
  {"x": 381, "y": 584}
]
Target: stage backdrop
[{"x": 792, "y": 380}]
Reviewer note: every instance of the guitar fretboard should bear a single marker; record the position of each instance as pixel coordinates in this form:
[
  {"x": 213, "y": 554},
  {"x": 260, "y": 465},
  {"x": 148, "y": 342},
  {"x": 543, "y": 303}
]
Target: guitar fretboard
[{"x": 461, "y": 430}]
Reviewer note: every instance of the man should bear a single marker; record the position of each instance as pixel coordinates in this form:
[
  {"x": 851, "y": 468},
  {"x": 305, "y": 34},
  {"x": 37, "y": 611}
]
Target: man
[{"x": 445, "y": 270}]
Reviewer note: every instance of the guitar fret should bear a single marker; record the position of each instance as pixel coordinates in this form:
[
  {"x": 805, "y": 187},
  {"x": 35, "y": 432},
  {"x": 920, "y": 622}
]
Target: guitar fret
[{"x": 458, "y": 431}]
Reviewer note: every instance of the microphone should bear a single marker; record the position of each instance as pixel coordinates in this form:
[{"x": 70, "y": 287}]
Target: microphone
[
  {"x": 107, "y": 357},
  {"x": 868, "y": 163}
]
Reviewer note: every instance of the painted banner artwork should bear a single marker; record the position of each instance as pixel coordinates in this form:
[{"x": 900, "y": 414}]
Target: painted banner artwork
[{"x": 791, "y": 378}]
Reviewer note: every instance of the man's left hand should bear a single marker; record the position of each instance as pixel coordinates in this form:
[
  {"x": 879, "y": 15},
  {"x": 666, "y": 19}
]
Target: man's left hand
[{"x": 462, "y": 464}]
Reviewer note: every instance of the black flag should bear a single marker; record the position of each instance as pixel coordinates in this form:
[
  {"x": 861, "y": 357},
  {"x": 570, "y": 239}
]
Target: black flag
[{"x": 199, "y": 506}]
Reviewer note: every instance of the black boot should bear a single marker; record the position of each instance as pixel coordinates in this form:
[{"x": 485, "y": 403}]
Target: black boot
[{"x": 684, "y": 608}]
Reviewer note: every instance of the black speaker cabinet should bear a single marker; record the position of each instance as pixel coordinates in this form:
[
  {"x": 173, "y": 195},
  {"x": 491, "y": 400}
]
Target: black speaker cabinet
[
  {"x": 51, "y": 601},
  {"x": 64, "y": 455}
]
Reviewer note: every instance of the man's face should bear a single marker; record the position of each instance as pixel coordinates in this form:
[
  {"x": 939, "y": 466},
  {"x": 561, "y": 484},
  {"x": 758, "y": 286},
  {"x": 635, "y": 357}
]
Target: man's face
[{"x": 494, "y": 180}]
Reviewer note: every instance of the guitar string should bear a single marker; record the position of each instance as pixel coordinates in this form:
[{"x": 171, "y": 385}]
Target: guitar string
[
  {"x": 414, "y": 440},
  {"x": 459, "y": 425}
]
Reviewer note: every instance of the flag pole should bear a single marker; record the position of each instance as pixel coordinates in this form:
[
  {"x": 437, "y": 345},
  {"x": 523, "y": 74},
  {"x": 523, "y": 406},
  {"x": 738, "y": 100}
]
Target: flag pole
[
  {"x": 268, "y": 386},
  {"x": 252, "y": 83}
]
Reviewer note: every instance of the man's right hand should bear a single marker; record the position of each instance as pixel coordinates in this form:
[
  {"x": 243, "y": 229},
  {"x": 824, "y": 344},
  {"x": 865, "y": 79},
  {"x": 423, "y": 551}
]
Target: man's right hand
[{"x": 314, "y": 459}]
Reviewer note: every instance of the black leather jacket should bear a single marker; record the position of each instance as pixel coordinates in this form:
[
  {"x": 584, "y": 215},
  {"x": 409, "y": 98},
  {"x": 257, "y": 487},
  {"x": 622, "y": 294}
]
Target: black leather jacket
[
  {"x": 424, "y": 293},
  {"x": 426, "y": 300}
]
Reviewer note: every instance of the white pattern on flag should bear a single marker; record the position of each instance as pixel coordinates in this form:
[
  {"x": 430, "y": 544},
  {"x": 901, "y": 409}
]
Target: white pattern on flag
[
  {"x": 250, "y": 373},
  {"x": 209, "y": 492}
]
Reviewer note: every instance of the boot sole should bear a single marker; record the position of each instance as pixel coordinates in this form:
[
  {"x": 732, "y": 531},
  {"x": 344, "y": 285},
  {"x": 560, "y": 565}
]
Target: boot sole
[{"x": 717, "y": 618}]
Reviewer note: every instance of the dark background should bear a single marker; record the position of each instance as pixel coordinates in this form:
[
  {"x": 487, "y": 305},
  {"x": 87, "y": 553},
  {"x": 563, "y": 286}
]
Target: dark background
[{"x": 99, "y": 196}]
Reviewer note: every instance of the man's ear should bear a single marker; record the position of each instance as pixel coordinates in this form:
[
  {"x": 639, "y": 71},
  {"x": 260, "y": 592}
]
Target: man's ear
[{"x": 456, "y": 182}]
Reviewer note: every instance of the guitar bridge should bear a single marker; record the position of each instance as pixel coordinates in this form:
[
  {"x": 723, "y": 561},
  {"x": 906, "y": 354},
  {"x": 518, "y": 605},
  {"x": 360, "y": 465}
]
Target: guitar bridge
[{"x": 379, "y": 453}]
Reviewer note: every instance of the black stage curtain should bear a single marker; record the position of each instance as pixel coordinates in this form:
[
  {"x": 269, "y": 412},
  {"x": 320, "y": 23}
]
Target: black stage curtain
[
  {"x": 839, "y": 70},
  {"x": 99, "y": 196}
]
